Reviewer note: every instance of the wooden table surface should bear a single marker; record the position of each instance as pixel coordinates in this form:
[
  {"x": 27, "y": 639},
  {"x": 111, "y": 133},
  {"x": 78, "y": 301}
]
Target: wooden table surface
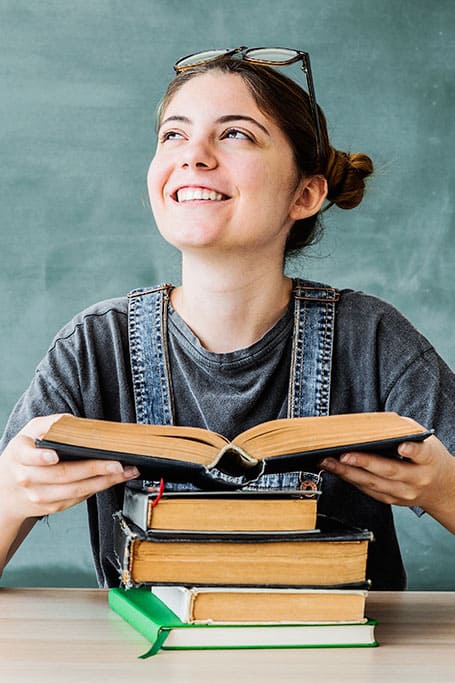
[{"x": 68, "y": 635}]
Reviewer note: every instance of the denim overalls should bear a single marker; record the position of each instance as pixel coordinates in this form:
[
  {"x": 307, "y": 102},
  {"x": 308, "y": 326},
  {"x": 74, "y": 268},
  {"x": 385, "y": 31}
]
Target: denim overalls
[
  {"x": 309, "y": 383},
  {"x": 309, "y": 394}
]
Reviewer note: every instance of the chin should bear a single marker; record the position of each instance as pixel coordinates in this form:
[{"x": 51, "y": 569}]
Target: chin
[{"x": 192, "y": 238}]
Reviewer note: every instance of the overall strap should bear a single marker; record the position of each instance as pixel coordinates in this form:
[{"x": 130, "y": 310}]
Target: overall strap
[
  {"x": 147, "y": 325},
  {"x": 312, "y": 348},
  {"x": 311, "y": 361}
]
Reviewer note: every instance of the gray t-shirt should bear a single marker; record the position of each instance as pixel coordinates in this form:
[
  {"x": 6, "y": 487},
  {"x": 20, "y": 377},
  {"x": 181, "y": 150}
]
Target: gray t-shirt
[
  {"x": 229, "y": 392},
  {"x": 380, "y": 363}
]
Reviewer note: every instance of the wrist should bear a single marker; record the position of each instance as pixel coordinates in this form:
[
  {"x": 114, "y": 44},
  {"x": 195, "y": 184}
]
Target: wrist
[{"x": 11, "y": 515}]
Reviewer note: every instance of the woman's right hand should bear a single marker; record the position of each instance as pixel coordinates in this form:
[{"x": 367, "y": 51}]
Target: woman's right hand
[{"x": 33, "y": 482}]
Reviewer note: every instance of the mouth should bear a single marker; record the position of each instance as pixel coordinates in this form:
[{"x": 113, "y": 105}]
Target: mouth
[{"x": 192, "y": 194}]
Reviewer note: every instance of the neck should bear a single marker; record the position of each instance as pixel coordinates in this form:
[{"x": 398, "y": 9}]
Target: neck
[{"x": 230, "y": 306}]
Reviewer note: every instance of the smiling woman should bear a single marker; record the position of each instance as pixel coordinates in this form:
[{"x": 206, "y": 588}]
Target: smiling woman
[{"x": 242, "y": 170}]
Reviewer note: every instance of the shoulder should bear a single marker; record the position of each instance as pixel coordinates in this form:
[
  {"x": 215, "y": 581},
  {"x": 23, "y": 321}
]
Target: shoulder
[
  {"x": 111, "y": 308},
  {"x": 356, "y": 303},
  {"x": 104, "y": 320},
  {"x": 364, "y": 314}
]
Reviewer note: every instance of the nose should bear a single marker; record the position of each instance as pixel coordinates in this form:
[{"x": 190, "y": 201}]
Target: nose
[{"x": 198, "y": 154}]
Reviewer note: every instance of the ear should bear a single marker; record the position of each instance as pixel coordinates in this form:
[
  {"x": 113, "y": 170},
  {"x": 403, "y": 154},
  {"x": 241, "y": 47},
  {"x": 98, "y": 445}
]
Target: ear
[{"x": 309, "y": 197}]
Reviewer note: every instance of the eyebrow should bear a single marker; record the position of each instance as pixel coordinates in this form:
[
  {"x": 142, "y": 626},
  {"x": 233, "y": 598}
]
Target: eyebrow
[{"x": 223, "y": 119}]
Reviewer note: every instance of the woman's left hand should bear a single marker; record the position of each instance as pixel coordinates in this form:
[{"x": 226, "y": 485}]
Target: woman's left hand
[{"x": 426, "y": 479}]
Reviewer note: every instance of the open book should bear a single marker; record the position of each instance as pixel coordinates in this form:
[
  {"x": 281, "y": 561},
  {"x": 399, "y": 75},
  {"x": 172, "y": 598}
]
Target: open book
[{"x": 199, "y": 455}]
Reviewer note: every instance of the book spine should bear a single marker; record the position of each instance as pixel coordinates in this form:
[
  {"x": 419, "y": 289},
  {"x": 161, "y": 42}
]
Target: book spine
[
  {"x": 123, "y": 537},
  {"x": 139, "y": 618},
  {"x": 135, "y": 507}
]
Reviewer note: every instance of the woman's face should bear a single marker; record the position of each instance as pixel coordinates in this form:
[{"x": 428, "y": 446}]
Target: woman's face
[{"x": 223, "y": 175}]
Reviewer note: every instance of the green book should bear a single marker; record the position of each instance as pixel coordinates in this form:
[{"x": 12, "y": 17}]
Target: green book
[{"x": 145, "y": 612}]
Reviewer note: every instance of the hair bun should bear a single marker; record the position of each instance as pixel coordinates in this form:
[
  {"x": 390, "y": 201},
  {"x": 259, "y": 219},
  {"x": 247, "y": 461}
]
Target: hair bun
[{"x": 345, "y": 174}]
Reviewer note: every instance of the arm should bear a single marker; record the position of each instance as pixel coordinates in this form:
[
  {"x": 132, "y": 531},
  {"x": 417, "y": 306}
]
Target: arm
[
  {"x": 76, "y": 376},
  {"x": 33, "y": 483}
]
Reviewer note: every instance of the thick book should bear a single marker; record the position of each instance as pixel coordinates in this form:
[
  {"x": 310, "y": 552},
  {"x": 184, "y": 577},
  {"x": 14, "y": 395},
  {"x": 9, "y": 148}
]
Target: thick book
[
  {"x": 199, "y": 455},
  {"x": 221, "y": 511},
  {"x": 193, "y": 604},
  {"x": 165, "y": 631},
  {"x": 328, "y": 556}
]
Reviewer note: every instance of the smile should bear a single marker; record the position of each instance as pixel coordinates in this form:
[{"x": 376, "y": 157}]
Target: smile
[{"x": 191, "y": 194}]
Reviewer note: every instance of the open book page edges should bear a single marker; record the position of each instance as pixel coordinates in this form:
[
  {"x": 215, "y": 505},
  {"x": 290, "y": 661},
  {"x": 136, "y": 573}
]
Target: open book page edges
[{"x": 282, "y": 443}]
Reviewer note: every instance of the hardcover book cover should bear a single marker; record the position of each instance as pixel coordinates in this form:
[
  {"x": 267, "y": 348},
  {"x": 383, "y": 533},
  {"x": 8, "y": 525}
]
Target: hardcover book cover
[{"x": 330, "y": 555}]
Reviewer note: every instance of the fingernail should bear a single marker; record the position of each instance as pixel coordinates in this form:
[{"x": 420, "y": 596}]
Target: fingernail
[
  {"x": 328, "y": 464},
  {"x": 130, "y": 472},
  {"x": 348, "y": 459},
  {"x": 50, "y": 457},
  {"x": 114, "y": 468}
]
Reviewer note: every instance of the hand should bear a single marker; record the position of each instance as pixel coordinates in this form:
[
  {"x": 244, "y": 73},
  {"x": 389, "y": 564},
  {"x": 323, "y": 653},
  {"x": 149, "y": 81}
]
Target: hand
[
  {"x": 34, "y": 483},
  {"x": 426, "y": 479}
]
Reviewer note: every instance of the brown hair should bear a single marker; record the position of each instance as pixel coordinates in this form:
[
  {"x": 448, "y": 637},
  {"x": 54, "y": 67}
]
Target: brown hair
[{"x": 288, "y": 104}]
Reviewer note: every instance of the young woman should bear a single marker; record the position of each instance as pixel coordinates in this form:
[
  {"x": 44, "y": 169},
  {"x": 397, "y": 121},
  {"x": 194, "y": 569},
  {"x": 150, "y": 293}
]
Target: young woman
[{"x": 242, "y": 169}]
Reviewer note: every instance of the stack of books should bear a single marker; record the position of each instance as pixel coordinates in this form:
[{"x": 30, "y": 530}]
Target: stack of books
[
  {"x": 239, "y": 570},
  {"x": 236, "y": 568}
]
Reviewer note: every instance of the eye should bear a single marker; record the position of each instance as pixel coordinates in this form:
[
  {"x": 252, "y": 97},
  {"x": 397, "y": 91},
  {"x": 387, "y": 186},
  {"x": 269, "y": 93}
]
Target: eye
[
  {"x": 170, "y": 135},
  {"x": 236, "y": 134}
]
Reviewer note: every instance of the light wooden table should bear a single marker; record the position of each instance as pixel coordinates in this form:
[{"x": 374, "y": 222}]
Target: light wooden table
[{"x": 71, "y": 635}]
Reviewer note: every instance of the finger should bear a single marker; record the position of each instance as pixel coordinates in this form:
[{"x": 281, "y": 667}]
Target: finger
[
  {"x": 421, "y": 452},
  {"x": 386, "y": 468},
  {"x": 385, "y": 489},
  {"x": 38, "y": 426},
  {"x": 23, "y": 451},
  {"x": 71, "y": 472},
  {"x": 23, "y": 447},
  {"x": 50, "y": 498}
]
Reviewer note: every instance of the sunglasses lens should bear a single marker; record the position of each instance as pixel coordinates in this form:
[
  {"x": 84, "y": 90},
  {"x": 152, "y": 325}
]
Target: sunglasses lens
[
  {"x": 271, "y": 55},
  {"x": 200, "y": 58}
]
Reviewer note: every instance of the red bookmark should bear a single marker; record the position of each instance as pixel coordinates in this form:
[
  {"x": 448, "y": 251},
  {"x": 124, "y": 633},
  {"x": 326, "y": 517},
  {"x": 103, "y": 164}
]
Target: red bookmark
[{"x": 160, "y": 493}]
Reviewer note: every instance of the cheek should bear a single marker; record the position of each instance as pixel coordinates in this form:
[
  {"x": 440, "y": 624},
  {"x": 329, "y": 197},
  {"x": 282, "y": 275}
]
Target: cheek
[
  {"x": 278, "y": 187},
  {"x": 155, "y": 182}
]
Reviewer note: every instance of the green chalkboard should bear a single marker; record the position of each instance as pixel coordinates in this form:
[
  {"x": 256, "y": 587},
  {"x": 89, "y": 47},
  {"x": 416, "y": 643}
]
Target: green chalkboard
[{"x": 78, "y": 88}]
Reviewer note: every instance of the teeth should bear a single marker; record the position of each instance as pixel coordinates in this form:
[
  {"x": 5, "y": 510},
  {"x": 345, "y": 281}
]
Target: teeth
[{"x": 188, "y": 194}]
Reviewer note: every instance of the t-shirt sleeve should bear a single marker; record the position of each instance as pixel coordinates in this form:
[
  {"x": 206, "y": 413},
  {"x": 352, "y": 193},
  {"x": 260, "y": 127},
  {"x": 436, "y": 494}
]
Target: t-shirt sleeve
[
  {"x": 417, "y": 382},
  {"x": 424, "y": 388},
  {"x": 55, "y": 388},
  {"x": 384, "y": 363},
  {"x": 425, "y": 391},
  {"x": 85, "y": 371}
]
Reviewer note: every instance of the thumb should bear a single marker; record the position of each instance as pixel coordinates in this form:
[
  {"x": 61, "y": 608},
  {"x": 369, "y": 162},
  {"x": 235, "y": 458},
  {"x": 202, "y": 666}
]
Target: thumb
[{"x": 38, "y": 426}]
